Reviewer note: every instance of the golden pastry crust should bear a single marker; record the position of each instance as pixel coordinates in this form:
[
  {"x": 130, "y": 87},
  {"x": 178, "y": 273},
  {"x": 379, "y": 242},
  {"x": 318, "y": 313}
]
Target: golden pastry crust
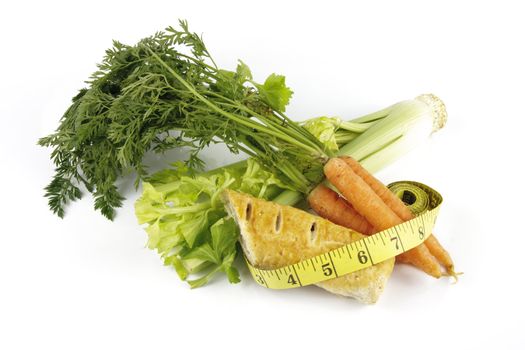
[{"x": 273, "y": 236}]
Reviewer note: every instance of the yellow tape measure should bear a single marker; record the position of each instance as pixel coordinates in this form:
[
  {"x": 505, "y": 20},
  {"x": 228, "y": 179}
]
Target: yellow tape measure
[{"x": 421, "y": 199}]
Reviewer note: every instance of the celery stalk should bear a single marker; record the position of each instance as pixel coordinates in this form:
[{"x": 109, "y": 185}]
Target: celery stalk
[
  {"x": 396, "y": 130},
  {"x": 187, "y": 223}
]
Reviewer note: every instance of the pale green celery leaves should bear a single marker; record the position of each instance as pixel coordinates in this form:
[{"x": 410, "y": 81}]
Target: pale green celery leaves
[
  {"x": 275, "y": 92},
  {"x": 221, "y": 252},
  {"x": 221, "y": 236},
  {"x": 260, "y": 183},
  {"x": 168, "y": 175},
  {"x": 186, "y": 222},
  {"x": 150, "y": 205},
  {"x": 324, "y": 129}
]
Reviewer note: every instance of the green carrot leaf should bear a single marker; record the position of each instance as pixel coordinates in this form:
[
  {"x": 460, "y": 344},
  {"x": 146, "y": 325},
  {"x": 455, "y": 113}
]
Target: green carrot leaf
[{"x": 275, "y": 92}]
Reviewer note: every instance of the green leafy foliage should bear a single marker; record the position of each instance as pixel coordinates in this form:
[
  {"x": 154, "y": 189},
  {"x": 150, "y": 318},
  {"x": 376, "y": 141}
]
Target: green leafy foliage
[
  {"x": 325, "y": 129},
  {"x": 141, "y": 94},
  {"x": 275, "y": 92},
  {"x": 186, "y": 221}
]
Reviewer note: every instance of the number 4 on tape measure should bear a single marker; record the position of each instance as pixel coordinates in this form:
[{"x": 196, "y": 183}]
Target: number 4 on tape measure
[
  {"x": 291, "y": 279},
  {"x": 364, "y": 252}
]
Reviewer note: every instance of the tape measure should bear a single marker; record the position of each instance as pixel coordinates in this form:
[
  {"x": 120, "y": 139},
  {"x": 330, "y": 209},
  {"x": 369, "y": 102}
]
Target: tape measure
[{"x": 422, "y": 200}]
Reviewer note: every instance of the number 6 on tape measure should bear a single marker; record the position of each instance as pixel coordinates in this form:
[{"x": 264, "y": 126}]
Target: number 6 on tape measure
[
  {"x": 363, "y": 259},
  {"x": 369, "y": 250}
]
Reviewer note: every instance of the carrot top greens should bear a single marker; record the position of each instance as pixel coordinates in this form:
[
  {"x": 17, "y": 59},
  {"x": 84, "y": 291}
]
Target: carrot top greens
[
  {"x": 166, "y": 92},
  {"x": 170, "y": 82}
]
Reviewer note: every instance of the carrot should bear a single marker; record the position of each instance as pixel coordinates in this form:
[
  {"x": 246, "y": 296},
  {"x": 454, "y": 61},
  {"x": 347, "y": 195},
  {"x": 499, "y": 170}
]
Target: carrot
[
  {"x": 382, "y": 191},
  {"x": 330, "y": 205},
  {"x": 401, "y": 210},
  {"x": 360, "y": 195},
  {"x": 367, "y": 202},
  {"x": 441, "y": 255}
]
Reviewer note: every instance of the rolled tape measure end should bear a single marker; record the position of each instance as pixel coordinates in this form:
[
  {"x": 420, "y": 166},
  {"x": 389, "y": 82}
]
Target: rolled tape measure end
[{"x": 365, "y": 252}]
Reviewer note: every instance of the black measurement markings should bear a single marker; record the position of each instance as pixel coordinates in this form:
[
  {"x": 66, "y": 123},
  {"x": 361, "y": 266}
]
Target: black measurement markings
[
  {"x": 415, "y": 228},
  {"x": 308, "y": 263},
  {"x": 429, "y": 218},
  {"x": 287, "y": 271},
  {"x": 382, "y": 239},
  {"x": 313, "y": 266},
  {"x": 348, "y": 252},
  {"x": 297, "y": 276},
  {"x": 370, "y": 256},
  {"x": 406, "y": 226},
  {"x": 397, "y": 235},
  {"x": 369, "y": 241},
  {"x": 277, "y": 274},
  {"x": 400, "y": 241},
  {"x": 261, "y": 277},
  {"x": 333, "y": 266}
]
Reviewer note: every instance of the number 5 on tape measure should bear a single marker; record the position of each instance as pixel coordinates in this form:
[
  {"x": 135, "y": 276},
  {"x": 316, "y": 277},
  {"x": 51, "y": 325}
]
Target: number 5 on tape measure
[{"x": 364, "y": 252}]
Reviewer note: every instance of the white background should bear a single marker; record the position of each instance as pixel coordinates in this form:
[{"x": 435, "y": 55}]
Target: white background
[{"x": 86, "y": 283}]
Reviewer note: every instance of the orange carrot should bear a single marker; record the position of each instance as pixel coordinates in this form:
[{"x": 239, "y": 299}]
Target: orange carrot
[
  {"x": 330, "y": 205},
  {"x": 402, "y": 211},
  {"x": 381, "y": 190},
  {"x": 360, "y": 195},
  {"x": 441, "y": 255},
  {"x": 366, "y": 201}
]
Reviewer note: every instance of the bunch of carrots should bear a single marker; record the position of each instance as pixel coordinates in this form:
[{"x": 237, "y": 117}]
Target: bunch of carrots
[{"x": 368, "y": 206}]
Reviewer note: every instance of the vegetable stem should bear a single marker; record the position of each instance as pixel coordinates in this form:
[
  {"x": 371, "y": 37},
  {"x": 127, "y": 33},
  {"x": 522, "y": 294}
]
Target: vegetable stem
[
  {"x": 257, "y": 126},
  {"x": 288, "y": 197}
]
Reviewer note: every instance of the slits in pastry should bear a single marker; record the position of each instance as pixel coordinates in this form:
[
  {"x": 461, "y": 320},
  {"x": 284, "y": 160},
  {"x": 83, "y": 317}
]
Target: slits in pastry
[{"x": 273, "y": 236}]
